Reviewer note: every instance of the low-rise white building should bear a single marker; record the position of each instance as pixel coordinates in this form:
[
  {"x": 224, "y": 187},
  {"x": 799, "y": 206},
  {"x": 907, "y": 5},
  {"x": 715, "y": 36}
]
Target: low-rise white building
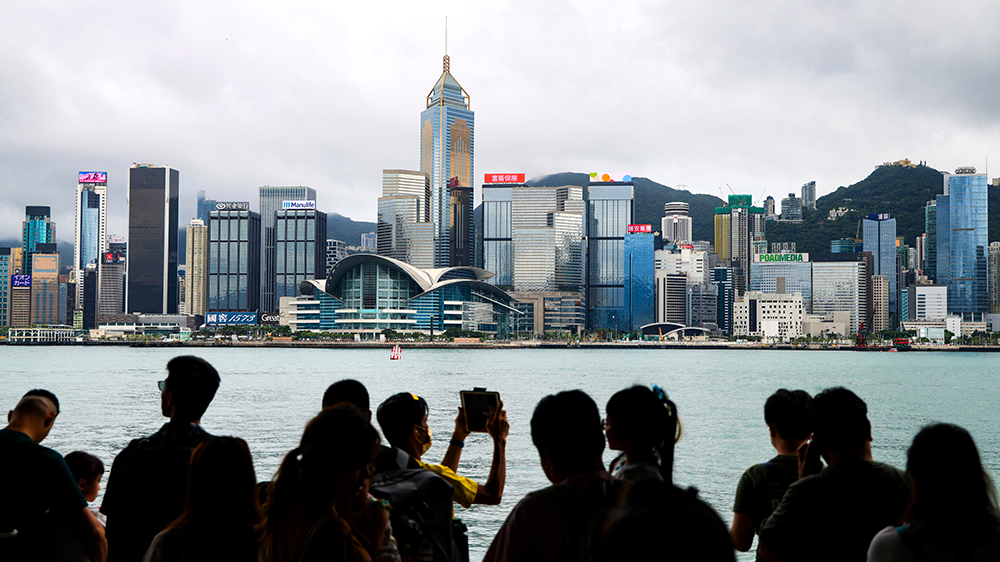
[{"x": 771, "y": 316}]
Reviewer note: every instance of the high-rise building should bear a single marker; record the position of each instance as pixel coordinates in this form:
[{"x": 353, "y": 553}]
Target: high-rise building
[
  {"x": 808, "y": 196},
  {"x": 928, "y": 302},
  {"x": 722, "y": 279},
  {"x": 671, "y": 297},
  {"x": 610, "y": 208},
  {"x": 775, "y": 316},
  {"x": 272, "y": 200},
  {"x": 880, "y": 239},
  {"x": 447, "y": 135},
  {"x": 684, "y": 261},
  {"x": 87, "y": 305},
  {"x": 234, "y": 260},
  {"x": 962, "y": 243},
  {"x": 769, "y": 208},
  {"x": 151, "y": 267},
  {"x": 638, "y": 266},
  {"x": 930, "y": 231},
  {"x": 336, "y": 250},
  {"x": 196, "y": 268},
  {"x": 881, "y": 290},
  {"x": 402, "y": 210},
  {"x": 90, "y": 232},
  {"x": 791, "y": 208},
  {"x": 921, "y": 253},
  {"x": 547, "y": 236},
  {"x": 6, "y": 270},
  {"x": 205, "y": 206},
  {"x": 994, "y": 270},
  {"x": 702, "y": 301},
  {"x": 737, "y": 227},
  {"x": 45, "y": 285},
  {"x": 675, "y": 226},
  {"x": 111, "y": 294},
  {"x": 783, "y": 274},
  {"x": 300, "y": 247},
  {"x": 37, "y": 228},
  {"x": 840, "y": 286}
]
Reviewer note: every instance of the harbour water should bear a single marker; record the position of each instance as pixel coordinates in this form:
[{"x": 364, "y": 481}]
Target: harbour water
[{"x": 109, "y": 396}]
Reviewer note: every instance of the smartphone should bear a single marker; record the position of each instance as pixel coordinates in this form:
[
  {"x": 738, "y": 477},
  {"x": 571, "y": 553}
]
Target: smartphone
[{"x": 479, "y": 405}]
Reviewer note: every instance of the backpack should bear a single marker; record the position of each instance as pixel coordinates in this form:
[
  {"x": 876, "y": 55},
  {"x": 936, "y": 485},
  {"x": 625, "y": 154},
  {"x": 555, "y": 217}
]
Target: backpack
[{"x": 421, "y": 514}]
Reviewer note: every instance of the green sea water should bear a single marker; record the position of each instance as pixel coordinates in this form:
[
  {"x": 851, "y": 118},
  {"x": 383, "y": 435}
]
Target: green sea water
[{"x": 109, "y": 396}]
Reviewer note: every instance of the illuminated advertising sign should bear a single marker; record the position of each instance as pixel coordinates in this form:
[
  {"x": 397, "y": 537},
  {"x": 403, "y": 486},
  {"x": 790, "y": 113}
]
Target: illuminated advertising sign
[
  {"x": 504, "y": 178},
  {"x": 296, "y": 205},
  {"x": 93, "y": 177},
  {"x": 113, "y": 258},
  {"x": 596, "y": 177},
  {"x": 685, "y": 246},
  {"x": 640, "y": 229},
  {"x": 231, "y": 318},
  {"x": 781, "y": 257},
  {"x": 878, "y": 216},
  {"x": 232, "y": 206},
  {"x": 269, "y": 319},
  {"x": 20, "y": 280}
]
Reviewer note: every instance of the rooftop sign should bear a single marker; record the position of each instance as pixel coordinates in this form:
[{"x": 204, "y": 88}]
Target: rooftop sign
[
  {"x": 602, "y": 177},
  {"x": 640, "y": 228},
  {"x": 93, "y": 177},
  {"x": 781, "y": 257},
  {"x": 232, "y": 206},
  {"x": 504, "y": 178},
  {"x": 294, "y": 205}
]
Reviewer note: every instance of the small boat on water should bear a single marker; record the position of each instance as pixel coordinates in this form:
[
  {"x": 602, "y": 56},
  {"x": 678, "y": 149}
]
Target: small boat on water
[{"x": 396, "y": 352}]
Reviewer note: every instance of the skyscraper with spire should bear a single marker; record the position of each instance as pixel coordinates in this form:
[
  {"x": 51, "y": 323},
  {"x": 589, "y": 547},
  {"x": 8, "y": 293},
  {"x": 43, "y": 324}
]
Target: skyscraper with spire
[{"x": 447, "y": 132}]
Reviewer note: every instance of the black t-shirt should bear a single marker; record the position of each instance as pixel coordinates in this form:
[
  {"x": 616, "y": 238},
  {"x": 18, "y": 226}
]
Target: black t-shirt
[
  {"x": 835, "y": 514},
  {"x": 36, "y": 480},
  {"x": 147, "y": 487},
  {"x": 762, "y": 486}
]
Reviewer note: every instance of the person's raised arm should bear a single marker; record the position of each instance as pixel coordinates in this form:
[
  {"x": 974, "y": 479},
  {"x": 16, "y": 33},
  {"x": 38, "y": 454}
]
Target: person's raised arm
[
  {"x": 742, "y": 532},
  {"x": 454, "y": 452},
  {"x": 492, "y": 492},
  {"x": 91, "y": 534}
]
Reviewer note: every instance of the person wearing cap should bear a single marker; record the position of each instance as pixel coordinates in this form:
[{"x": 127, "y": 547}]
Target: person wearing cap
[
  {"x": 403, "y": 419},
  {"x": 146, "y": 488}
]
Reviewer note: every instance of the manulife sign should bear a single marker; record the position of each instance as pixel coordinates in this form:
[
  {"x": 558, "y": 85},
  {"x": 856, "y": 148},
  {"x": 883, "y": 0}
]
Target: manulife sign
[{"x": 781, "y": 257}]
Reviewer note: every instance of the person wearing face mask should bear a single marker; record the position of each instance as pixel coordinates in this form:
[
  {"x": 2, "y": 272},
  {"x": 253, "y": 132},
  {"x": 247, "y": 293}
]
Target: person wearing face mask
[{"x": 403, "y": 419}]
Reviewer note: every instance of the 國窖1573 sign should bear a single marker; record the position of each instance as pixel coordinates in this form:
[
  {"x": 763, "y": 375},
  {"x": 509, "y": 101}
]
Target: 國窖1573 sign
[
  {"x": 504, "y": 178},
  {"x": 781, "y": 257},
  {"x": 231, "y": 318},
  {"x": 640, "y": 228}
]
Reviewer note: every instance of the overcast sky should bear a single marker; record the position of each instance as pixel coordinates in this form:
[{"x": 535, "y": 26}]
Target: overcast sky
[{"x": 763, "y": 96}]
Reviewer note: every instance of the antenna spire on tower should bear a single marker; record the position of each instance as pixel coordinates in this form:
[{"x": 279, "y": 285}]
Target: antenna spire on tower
[{"x": 447, "y": 61}]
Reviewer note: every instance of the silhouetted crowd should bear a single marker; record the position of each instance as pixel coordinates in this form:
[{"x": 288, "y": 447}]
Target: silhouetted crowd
[{"x": 342, "y": 494}]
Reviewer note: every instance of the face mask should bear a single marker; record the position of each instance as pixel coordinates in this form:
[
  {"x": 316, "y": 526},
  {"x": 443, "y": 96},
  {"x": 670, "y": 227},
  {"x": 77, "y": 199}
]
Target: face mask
[{"x": 425, "y": 446}]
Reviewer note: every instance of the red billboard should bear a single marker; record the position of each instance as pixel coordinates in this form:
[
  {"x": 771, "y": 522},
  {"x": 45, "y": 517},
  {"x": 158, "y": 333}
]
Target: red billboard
[
  {"x": 504, "y": 178},
  {"x": 93, "y": 177},
  {"x": 640, "y": 228},
  {"x": 453, "y": 182}
]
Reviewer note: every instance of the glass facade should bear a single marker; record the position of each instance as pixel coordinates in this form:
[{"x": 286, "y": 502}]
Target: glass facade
[
  {"x": 879, "y": 233},
  {"x": 962, "y": 245},
  {"x": 783, "y": 278},
  {"x": 233, "y": 261},
  {"x": 447, "y": 139},
  {"x": 45, "y": 288},
  {"x": 930, "y": 230},
  {"x": 152, "y": 240},
  {"x": 498, "y": 248},
  {"x": 639, "y": 282},
  {"x": 299, "y": 248},
  {"x": 271, "y": 200},
  {"x": 609, "y": 212},
  {"x": 840, "y": 287},
  {"x": 722, "y": 279},
  {"x": 403, "y": 210},
  {"x": 37, "y": 228}
]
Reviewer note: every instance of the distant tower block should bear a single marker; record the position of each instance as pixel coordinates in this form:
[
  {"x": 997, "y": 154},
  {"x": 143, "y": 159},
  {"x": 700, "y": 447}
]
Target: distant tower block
[{"x": 675, "y": 226}]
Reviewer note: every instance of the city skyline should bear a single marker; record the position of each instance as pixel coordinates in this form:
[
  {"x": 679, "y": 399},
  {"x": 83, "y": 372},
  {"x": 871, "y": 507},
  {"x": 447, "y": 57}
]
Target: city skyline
[{"x": 685, "y": 95}]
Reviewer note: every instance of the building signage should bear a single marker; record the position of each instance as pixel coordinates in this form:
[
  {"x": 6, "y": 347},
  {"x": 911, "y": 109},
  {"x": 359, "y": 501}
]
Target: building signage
[
  {"x": 294, "y": 205},
  {"x": 113, "y": 258},
  {"x": 782, "y": 257},
  {"x": 232, "y": 206},
  {"x": 269, "y": 319},
  {"x": 504, "y": 178},
  {"x": 601, "y": 177},
  {"x": 93, "y": 177},
  {"x": 453, "y": 182},
  {"x": 231, "y": 318},
  {"x": 20, "y": 280},
  {"x": 685, "y": 246},
  {"x": 878, "y": 216},
  {"x": 640, "y": 228}
]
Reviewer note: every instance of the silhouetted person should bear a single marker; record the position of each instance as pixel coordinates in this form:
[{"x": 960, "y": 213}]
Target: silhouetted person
[
  {"x": 642, "y": 423},
  {"x": 38, "y": 485},
  {"x": 146, "y": 488},
  {"x": 556, "y": 523},
  {"x": 832, "y": 513}
]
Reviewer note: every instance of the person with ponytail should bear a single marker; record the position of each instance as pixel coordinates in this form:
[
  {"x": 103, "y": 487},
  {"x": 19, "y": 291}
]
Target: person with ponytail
[
  {"x": 311, "y": 503},
  {"x": 953, "y": 511},
  {"x": 642, "y": 423},
  {"x": 220, "y": 508}
]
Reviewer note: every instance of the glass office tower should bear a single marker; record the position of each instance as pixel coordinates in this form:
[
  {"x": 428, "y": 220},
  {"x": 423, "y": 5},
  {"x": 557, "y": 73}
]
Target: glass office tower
[
  {"x": 37, "y": 228},
  {"x": 879, "y": 232},
  {"x": 840, "y": 287},
  {"x": 610, "y": 207},
  {"x": 722, "y": 279},
  {"x": 498, "y": 244},
  {"x": 403, "y": 211},
  {"x": 962, "y": 242},
  {"x": 272, "y": 200},
  {"x": 151, "y": 266},
  {"x": 783, "y": 277},
  {"x": 639, "y": 283},
  {"x": 234, "y": 262},
  {"x": 447, "y": 135},
  {"x": 300, "y": 249}
]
